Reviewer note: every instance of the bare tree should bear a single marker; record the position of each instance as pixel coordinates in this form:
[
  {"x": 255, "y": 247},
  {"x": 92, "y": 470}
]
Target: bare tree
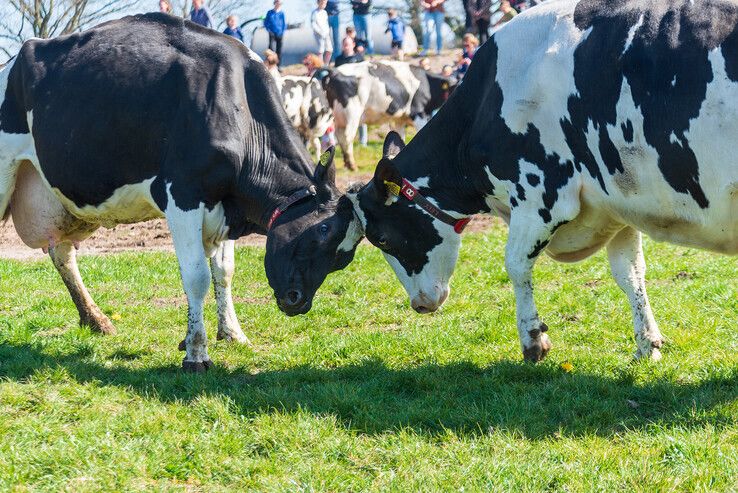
[{"x": 21, "y": 19}]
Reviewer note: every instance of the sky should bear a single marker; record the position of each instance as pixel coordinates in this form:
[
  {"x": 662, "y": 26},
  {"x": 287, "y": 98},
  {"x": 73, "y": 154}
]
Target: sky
[{"x": 295, "y": 11}]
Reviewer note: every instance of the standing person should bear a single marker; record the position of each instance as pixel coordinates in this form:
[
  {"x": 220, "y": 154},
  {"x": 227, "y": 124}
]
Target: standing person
[
  {"x": 165, "y": 7},
  {"x": 334, "y": 23},
  {"x": 396, "y": 27},
  {"x": 233, "y": 29},
  {"x": 507, "y": 13},
  {"x": 363, "y": 22},
  {"x": 348, "y": 55},
  {"x": 433, "y": 16},
  {"x": 321, "y": 31},
  {"x": 200, "y": 14},
  {"x": 271, "y": 62},
  {"x": 481, "y": 13},
  {"x": 274, "y": 24}
]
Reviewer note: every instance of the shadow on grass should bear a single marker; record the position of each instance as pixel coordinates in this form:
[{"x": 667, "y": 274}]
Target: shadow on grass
[{"x": 534, "y": 401}]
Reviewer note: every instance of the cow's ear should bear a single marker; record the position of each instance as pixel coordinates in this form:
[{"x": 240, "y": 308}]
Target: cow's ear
[
  {"x": 393, "y": 144},
  {"x": 325, "y": 171},
  {"x": 387, "y": 179}
]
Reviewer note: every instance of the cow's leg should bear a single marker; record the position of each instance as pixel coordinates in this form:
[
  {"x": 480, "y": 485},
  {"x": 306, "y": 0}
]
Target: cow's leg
[
  {"x": 317, "y": 146},
  {"x": 186, "y": 228},
  {"x": 222, "y": 265},
  {"x": 629, "y": 270},
  {"x": 520, "y": 255},
  {"x": 65, "y": 260},
  {"x": 345, "y": 136}
]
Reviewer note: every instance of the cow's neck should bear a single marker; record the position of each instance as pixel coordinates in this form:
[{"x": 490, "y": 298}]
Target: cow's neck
[
  {"x": 445, "y": 153},
  {"x": 437, "y": 162},
  {"x": 278, "y": 168}
]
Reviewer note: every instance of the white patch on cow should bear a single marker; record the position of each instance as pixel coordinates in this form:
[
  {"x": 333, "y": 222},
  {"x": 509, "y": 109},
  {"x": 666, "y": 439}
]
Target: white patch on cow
[
  {"x": 187, "y": 235},
  {"x": 353, "y": 234},
  {"x": 429, "y": 288},
  {"x": 128, "y": 204},
  {"x": 420, "y": 182},
  {"x": 674, "y": 139},
  {"x": 536, "y": 88},
  {"x": 632, "y": 32}
]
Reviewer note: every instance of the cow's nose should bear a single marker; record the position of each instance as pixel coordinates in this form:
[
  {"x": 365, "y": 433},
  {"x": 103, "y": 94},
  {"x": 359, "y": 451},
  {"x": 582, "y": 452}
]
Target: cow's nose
[
  {"x": 293, "y": 298},
  {"x": 422, "y": 304}
]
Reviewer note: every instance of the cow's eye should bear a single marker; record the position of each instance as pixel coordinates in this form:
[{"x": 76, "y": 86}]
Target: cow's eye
[
  {"x": 324, "y": 228},
  {"x": 382, "y": 242}
]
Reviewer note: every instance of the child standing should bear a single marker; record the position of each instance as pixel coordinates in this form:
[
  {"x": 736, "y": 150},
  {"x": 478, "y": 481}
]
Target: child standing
[
  {"x": 396, "y": 27},
  {"x": 322, "y": 31},
  {"x": 275, "y": 24}
]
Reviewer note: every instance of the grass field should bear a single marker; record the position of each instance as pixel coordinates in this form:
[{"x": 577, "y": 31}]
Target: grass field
[{"x": 364, "y": 394}]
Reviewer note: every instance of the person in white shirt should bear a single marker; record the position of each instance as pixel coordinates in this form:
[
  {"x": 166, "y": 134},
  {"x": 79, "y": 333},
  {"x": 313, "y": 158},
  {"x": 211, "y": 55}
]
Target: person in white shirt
[{"x": 321, "y": 30}]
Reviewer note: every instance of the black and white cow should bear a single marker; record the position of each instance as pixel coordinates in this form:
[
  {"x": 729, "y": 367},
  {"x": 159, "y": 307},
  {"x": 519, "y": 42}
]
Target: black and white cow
[
  {"x": 151, "y": 116},
  {"x": 380, "y": 92},
  {"x": 306, "y": 106},
  {"x": 621, "y": 118}
]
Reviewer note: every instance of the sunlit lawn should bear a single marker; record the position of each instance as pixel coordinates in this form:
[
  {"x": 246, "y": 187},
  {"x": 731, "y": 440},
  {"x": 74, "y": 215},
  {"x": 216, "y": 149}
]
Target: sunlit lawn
[{"x": 364, "y": 394}]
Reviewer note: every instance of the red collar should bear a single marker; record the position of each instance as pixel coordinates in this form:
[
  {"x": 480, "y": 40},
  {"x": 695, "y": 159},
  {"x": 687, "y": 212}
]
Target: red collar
[
  {"x": 411, "y": 193},
  {"x": 291, "y": 200}
]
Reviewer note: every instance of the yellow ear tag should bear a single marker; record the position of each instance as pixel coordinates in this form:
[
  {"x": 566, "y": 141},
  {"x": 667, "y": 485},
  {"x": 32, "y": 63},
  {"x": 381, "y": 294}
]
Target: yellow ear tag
[
  {"x": 392, "y": 187},
  {"x": 324, "y": 158},
  {"x": 444, "y": 86}
]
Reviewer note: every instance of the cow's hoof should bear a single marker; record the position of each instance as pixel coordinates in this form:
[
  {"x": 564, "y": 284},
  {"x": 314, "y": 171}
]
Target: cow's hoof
[
  {"x": 239, "y": 338},
  {"x": 538, "y": 350},
  {"x": 100, "y": 324},
  {"x": 351, "y": 166},
  {"x": 196, "y": 366},
  {"x": 653, "y": 352},
  {"x": 182, "y": 345}
]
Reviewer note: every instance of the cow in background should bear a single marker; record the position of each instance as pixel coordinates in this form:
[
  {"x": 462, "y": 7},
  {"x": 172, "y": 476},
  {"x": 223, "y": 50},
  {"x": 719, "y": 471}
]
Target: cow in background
[{"x": 378, "y": 92}]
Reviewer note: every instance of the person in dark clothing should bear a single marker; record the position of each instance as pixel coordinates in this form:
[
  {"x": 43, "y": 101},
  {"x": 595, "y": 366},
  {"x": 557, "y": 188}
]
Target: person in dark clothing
[
  {"x": 480, "y": 11},
  {"x": 275, "y": 25},
  {"x": 468, "y": 21},
  {"x": 233, "y": 29},
  {"x": 200, "y": 14},
  {"x": 363, "y": 22},
  {"x": 348, "y": 55}
]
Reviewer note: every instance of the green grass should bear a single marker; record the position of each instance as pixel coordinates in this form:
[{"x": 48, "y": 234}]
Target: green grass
[{"x": 364, "y": 394}]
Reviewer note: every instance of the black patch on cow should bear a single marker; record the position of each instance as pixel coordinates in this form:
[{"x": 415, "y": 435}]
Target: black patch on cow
[
  {"x": 405, "y": 227},
  {"x": 534, "y": 180},
  {"x": 513, "y": 202},
  {"x": 12, "y": 113},
  {"x": 520, "y": 191},
  {"x": 339, "y": 87},
  {"x": 395, "y": 90},
  {"x": 667, "y": 69},
  {"x": 319, "y": 106},
  {"x": 545, "y": 215},
  {"x": 432, "y": 92},
  {"x": 627, "y": 128},
  {"x": 538, "y": 248}
]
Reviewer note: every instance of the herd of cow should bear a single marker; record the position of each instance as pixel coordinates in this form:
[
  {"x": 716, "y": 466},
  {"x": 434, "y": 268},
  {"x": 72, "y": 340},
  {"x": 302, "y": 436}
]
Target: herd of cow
[{"x": 620, "y": 119}]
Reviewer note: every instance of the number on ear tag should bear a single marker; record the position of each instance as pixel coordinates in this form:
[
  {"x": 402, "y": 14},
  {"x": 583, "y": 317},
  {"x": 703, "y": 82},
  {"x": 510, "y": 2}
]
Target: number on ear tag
[{"x": 392, "y": 187}]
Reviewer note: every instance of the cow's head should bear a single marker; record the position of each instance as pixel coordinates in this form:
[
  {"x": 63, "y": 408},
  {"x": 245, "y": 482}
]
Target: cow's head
[
  {"x": 421, "y": 248},
  {"x": 312, "y": 237}
]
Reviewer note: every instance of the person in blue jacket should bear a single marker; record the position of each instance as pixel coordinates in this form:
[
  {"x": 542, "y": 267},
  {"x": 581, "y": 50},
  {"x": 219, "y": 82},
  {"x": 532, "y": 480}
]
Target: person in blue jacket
[
  {"x": 233, "y": 29},
  {"x": 275, "y": 26},
  {"x": 396, "y": 28}
]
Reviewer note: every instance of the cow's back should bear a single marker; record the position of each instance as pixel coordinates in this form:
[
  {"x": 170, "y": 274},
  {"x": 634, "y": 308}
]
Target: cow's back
[
  {"x": 635, "y": 101},
  {"x": 112, "y": 105}
]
